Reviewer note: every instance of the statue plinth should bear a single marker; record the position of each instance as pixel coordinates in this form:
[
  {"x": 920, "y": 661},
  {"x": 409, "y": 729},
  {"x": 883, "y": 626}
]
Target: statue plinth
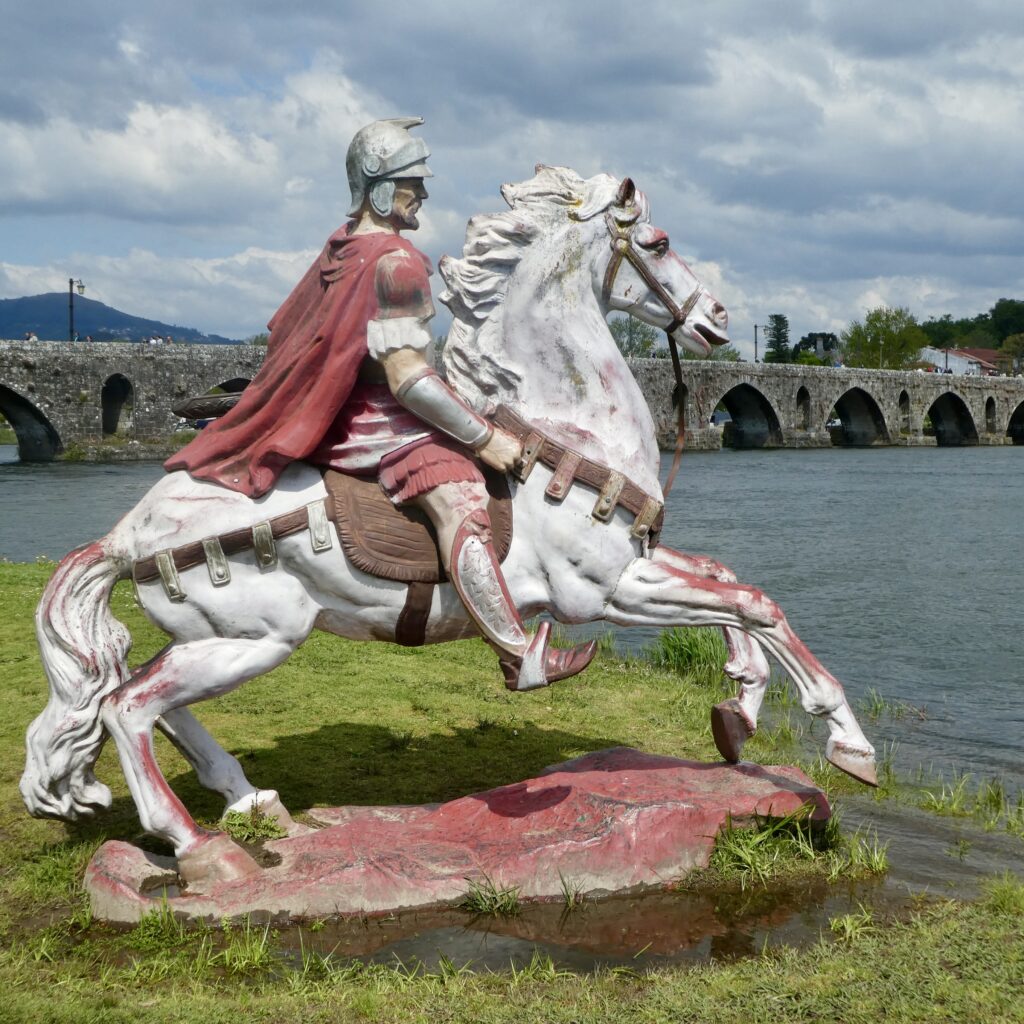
[{"x": 613, "y": 821}]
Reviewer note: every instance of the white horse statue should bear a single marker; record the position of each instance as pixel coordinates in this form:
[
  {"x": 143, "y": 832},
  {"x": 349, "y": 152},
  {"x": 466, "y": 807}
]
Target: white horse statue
[{"x": 530, "y": 297}]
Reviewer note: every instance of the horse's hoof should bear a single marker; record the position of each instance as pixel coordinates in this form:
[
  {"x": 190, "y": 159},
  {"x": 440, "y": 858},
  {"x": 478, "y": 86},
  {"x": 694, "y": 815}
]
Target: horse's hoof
[
  {"x": 217, "y": 858},
  {"x": 271, "y": 806},
  {"x": 731, "y": 728},
  {"x": 858, "y": 764}
]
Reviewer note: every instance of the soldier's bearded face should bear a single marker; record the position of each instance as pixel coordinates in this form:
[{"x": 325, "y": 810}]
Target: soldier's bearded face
[{"x": 409, "y": 196}]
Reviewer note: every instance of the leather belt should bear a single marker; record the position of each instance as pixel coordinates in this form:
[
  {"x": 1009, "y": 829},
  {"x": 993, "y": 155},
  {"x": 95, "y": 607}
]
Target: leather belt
[
  {"x": 569, "y": 466},
  {"x": 260, "y": 537}
]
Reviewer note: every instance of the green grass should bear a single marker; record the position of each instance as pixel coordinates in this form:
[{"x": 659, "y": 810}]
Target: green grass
[
  {"x": 251, "y": 826},
  {"x": 346, "y": 723},
  {"x": 489, "y": 899},
  {"x": 787, "y": 849},
  {"x": 989, "y": 803},
  {"x": 573, "y": 896},
  {"x": 874, "y": 706},
  {"x": 247, "y": 949},
  {"x": 848, "y": 927},
  {"x": 690, "y": 653}
]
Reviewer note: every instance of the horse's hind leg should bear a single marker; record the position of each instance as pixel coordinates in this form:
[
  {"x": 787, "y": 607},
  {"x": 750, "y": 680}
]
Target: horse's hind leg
[
  {"x": 733, "y": 721},
  {"x": 658, "y": 594},
  {"x": 218, "y": 770},
  {"x": 182, "y": 674}
]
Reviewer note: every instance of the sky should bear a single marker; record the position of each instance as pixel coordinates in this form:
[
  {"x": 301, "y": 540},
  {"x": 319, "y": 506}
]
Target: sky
[{"x": 810, "y": 158}]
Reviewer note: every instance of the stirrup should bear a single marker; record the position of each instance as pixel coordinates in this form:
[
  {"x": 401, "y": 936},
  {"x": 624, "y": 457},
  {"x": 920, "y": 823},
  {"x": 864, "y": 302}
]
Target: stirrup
[{"x": 541, "y": 665}]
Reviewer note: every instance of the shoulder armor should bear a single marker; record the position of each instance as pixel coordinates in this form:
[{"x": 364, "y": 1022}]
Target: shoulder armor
[{"x": 403, "y": 285}]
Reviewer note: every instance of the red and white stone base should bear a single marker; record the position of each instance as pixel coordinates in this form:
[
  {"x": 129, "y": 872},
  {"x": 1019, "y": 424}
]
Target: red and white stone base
[{"x": 613, "y": 821}]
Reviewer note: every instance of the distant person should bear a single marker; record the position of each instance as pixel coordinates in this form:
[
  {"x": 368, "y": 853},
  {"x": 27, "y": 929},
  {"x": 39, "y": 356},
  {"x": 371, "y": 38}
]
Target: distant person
[
  {"x": 88, "y": 338},
  {"x": 169, "y": 340},
  {"x": 31, "y": 336}
]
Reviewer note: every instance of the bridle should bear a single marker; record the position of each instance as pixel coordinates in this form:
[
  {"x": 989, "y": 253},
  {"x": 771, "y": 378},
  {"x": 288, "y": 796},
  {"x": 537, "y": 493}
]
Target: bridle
[
  {"x": 622, "y": 249},
  {"x": 621, "y": 233}
]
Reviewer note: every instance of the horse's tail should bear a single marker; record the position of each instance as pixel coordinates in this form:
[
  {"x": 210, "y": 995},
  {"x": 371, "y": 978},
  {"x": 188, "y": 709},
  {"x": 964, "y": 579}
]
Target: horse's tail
[{"x": 83, "y": 650}]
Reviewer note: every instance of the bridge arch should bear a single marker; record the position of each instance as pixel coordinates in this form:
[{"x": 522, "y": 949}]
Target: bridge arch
[
  {"x": 990, "y": 415},
  {"x": 38, "y": 440},
  {"x": 952, "y": 421},
  {"x": 861, "y": 421},
  {"x": 1015, "y": 428},
  {"x": 754, "y": 421},
  {"x": 117, "y": 400},
  {"x": 803, "y": 408},
  {"x": 904, "y": 404}
]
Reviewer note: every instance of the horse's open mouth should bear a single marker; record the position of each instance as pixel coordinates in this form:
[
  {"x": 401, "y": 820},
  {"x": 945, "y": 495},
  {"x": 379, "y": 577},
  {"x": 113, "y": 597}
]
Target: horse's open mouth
[{"x": 710, "y": 336}]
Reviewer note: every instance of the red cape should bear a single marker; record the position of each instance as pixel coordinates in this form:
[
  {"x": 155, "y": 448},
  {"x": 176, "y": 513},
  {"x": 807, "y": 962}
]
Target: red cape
[{"x": 317, "y": 342}]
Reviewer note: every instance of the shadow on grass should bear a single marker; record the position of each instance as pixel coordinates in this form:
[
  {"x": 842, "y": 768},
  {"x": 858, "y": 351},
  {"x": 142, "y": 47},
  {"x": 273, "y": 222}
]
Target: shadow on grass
[{"x": 346, "y": 763}]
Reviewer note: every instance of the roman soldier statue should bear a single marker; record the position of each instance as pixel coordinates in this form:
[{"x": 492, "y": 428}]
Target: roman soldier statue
[{"x": 347, "y": 384}]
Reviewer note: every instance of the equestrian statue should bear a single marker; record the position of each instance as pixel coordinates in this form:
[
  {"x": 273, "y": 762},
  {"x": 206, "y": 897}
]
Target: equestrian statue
[{"x": 356, "y": 489}]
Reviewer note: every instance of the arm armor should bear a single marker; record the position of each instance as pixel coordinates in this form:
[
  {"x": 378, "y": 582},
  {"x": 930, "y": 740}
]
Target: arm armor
[{"x": 425, "y": 394}]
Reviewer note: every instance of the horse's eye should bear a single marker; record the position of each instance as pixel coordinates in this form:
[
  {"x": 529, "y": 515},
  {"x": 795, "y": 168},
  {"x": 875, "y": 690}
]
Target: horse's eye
[{"x": 657, "y": 243}]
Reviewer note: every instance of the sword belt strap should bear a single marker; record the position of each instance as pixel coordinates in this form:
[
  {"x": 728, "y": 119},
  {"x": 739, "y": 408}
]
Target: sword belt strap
[
  {"x": 189, "y": 555},
  {"x": 576, "y": 468}
]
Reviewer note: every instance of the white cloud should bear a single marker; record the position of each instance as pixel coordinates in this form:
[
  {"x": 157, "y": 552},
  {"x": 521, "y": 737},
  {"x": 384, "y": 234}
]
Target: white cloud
[
  {"x": 810, "y": 156},
  {"x": 164, "y": 163},
  {"x": 130, "y": 50}
]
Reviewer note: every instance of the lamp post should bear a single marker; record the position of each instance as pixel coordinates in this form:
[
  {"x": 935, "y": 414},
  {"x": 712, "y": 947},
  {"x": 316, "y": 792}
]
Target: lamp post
[
  {"x": 763, "y": 327},
  {"x": 72, "y": 285}
]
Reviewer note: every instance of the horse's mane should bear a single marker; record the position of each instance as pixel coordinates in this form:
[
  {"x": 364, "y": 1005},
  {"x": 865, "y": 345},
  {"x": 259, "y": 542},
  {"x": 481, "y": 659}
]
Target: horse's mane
[{"x": 495, "y": 244}]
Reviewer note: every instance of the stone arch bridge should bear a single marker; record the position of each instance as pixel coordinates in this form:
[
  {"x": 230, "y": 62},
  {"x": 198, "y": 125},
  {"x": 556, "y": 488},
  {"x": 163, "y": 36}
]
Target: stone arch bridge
[
  {"x": 813, "y": 407},
  {"x": 56, "y": 393}
]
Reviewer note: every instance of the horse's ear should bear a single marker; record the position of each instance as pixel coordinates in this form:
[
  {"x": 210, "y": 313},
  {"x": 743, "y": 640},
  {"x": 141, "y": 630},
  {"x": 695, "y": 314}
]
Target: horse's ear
[{"x": 626, "y": 192}]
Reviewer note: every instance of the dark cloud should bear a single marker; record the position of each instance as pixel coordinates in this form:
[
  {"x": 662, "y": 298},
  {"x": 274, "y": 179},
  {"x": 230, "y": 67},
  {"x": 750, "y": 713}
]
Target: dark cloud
[
  {"x": 20, "y": 109},
  {"x": 915, "y": 29}
]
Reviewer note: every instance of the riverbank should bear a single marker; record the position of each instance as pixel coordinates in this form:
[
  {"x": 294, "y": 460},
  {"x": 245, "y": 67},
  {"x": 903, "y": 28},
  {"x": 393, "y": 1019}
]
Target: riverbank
[
  {"x": 117, "y": 448},
  {"x": 371, "y": 723}
]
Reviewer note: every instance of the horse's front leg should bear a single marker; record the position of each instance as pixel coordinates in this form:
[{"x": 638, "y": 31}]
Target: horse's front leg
[
  {"x": 220, "y": 771},
  {"x": 733, "y": 721},
  {"x": 653, "y": 593}
]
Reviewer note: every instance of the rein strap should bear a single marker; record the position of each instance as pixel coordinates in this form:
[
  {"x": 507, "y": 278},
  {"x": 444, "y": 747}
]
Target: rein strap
[{"x": 622, "y": 248}]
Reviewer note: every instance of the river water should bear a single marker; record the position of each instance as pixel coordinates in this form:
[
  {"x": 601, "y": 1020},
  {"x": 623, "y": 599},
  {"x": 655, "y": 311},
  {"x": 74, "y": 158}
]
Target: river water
[{"x": 902, "y": 569}]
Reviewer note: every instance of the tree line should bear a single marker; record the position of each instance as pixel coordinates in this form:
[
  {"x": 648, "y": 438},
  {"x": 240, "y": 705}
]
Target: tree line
[{"x": 889, "y": 337}]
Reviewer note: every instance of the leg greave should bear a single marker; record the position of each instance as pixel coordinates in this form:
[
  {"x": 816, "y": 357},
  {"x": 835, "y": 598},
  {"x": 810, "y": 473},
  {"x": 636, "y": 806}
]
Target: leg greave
[{"x": 478, "y": 580}]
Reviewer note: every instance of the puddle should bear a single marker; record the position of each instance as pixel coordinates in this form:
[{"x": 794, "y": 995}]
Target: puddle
[
  {"x": 620, "y": 931},
  {"x": 942, "y": 857}
]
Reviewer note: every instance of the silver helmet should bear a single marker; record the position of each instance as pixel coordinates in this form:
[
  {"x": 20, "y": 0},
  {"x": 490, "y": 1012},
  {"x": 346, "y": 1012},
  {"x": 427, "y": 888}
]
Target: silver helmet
[{"x": 378, "y": 154}]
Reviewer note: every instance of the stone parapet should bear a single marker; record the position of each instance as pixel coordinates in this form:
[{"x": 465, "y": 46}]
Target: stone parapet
[{"x": 56, "y": 393}]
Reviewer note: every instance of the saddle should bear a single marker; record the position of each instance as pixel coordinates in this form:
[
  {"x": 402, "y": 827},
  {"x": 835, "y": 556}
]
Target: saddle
[{"x": 399, "y": 543}]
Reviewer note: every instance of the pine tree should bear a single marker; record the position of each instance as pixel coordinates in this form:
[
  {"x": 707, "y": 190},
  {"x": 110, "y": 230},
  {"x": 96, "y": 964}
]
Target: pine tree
[{"x": 778, "y": 348}]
